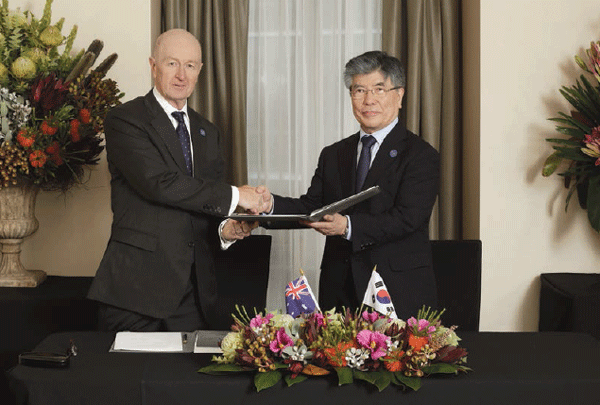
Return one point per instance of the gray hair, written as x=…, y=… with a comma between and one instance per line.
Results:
x=373, y=61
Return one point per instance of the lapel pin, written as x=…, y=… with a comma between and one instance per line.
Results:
x=393, y=153
x=202, y=132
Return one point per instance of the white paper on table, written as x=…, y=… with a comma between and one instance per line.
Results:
x=148, y=341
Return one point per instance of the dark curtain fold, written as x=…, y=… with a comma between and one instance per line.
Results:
x=221, y=26
x=426, y=36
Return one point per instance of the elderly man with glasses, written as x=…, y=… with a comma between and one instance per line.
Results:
x=391, y=229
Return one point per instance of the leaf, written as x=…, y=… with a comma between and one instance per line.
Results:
x=411, y=382
x=441, y=368
x=220, y=369
x=380, y=379
x=551, y=164
x=593, y=202
x=311, y=369
x=266, y=380
x=344, y=375
x=291, y=381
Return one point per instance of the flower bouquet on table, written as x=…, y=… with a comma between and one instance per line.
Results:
x=52, y=107
x=579, y=152
x=361, y=345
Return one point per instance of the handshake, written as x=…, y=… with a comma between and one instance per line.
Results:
x=255, y=200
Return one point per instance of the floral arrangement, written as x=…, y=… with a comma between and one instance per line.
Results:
x=355, y=346
x=581, y=149
x=52, y=107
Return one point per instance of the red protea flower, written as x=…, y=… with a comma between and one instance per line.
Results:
x=53, y=149
x=84, y=115
x=37, y=158
x=48, y=93
x=56, y=159
x=75, y=136
x=25, y=138
x=47, y=129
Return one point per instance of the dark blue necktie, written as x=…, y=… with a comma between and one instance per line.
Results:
x=364, y=162
x=184, y=139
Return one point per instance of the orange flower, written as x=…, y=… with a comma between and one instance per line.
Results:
x=84, y=115
x=417, y=342
x=75, y=136
x=37, y=158
x=336, y=356
x=393, y=363
x=47, y=129
x=25, y=138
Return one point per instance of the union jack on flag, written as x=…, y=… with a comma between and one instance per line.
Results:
x=299, y=298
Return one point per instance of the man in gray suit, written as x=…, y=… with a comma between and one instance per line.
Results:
x=168, y=199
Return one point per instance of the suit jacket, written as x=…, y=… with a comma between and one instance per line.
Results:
x=163, y=219
x=391, y=229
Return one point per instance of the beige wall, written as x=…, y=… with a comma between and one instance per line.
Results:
x=527, y=49
x=74, y=228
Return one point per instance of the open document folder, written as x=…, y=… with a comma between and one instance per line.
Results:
x=314, y=216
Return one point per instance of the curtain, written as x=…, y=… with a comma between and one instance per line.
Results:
x=221, y=26
x=425, y=36
x=297, y=104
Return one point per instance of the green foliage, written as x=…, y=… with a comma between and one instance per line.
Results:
x=580, y=151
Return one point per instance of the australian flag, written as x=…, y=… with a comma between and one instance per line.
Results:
x=299, y=298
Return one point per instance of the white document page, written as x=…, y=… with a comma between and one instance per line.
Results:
x=148, y=341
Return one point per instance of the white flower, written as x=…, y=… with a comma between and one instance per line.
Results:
x=231, y=341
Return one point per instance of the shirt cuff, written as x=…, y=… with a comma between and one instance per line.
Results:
x=349, y=234
x=235, y=199
x=224, y=243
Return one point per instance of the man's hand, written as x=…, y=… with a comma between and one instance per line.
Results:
x=252, y=201
x=267, y=197
x=330, y=225
x=236, y=230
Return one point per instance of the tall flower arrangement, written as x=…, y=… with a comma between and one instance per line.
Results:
x=580, y=150
x=52, y=103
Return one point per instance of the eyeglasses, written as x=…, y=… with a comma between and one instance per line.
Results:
x=359, y=93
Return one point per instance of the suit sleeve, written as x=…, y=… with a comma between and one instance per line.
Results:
x=143, y=162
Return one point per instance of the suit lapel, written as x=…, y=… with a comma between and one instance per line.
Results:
x=163, y=126
x=389, y=152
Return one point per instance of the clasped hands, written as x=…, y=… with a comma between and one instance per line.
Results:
x=256, y=200
x=253, y=200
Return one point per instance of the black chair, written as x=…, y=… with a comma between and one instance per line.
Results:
x=242, y=278
x=457, y=268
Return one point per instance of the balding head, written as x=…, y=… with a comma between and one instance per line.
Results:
x=175, y=37
x=176, y=62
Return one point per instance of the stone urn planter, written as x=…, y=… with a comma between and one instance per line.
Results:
x=17, y=221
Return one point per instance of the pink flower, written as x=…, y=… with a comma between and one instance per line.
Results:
x=420, y=326
x=258, y=321
x=376, y=342
x=319, y=318
x=282, y=340
x=370, y=316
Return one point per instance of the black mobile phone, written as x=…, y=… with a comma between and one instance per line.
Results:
x=43, y=359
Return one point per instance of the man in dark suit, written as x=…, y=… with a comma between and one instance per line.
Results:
x=389, y=230
x=168, y=199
